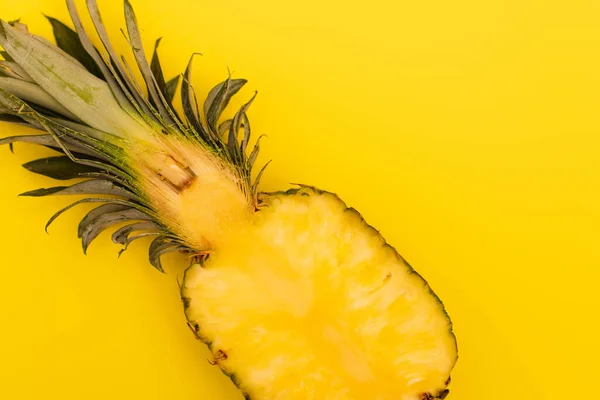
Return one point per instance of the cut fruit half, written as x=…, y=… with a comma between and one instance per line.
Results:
x=309, y=302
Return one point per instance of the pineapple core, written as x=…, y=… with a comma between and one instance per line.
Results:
x=200, y=197
x=308, y=302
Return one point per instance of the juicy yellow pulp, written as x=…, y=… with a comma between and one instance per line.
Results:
x=198, y=195
x=308, y=302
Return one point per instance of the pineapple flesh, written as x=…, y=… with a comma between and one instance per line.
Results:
x=325, y=309
x=295, y=294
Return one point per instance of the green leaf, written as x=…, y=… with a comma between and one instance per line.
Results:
x=172, y=88
x=68, y=40
x=232, y=142
x=91, y=187
x=32, y=93
x=157, y=71
x=12, y=70
x=133, y=238
x=73, y=87
x=246, y=139
x=13, y=119
x=218, y=99
x=254, y=153
x=85, y=142
x=61, y=168
x=43, y=192
x=91, y=216
x=5, y=55
x=259, y=176
x=161, y=246
x=95, y=227
x=158, y=100
x=117, y=87
x=42, y=140
x=190, y=102
x=94, y=200
x=64, y=134
x=224, y=127
x=121, y=236
x=120, y=73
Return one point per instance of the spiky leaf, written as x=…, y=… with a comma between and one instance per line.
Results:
x=83, y=94
x=32, y=93
x=121, y=236
x=91, y=187
x=161, y=246
x=61, y=168
x=95, y=226
x=13, y=70
x=172, y=88
x=236, y=124
x=190, y=103
x=124, y=98
x=218, y=99
x=68, y=40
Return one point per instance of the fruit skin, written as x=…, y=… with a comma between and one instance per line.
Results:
x=265, y=200
x=97, y=135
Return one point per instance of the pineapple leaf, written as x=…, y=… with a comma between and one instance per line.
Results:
x=12, y=70
x=65, y=134
x=224, y=127
x=154, y=92
x=190, y=103
x=161, y=246
x=218, y=99
x=259, y=176
x=31, y=92
x=83, y=94
x=116, y=86
x=43, y=192
x=6, y=56
x=157, y=71
x=96, y=226
x=83, y=144
x=45, y=140
x=96, y=200
x=246, y=139
x=133, y=238
x=92, y=186
x=61, y=168
x=254, y=154
x=232, y=142
x=42, y=140
x=121, y=236
x=172, y=88
x=68, y=40
x=13, y=120
x=96, y=18
x=91, y=216
x=114, y=64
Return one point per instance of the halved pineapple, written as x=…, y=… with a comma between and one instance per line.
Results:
x=296, y=295
x=309, y=302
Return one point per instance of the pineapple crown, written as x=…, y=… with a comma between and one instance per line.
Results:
x=89, y=106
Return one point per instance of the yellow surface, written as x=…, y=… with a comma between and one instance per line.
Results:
x=467, y=131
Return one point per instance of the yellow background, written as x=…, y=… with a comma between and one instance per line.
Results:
x=467, y=131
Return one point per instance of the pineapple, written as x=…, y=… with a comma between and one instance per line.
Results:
x=294, y=293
